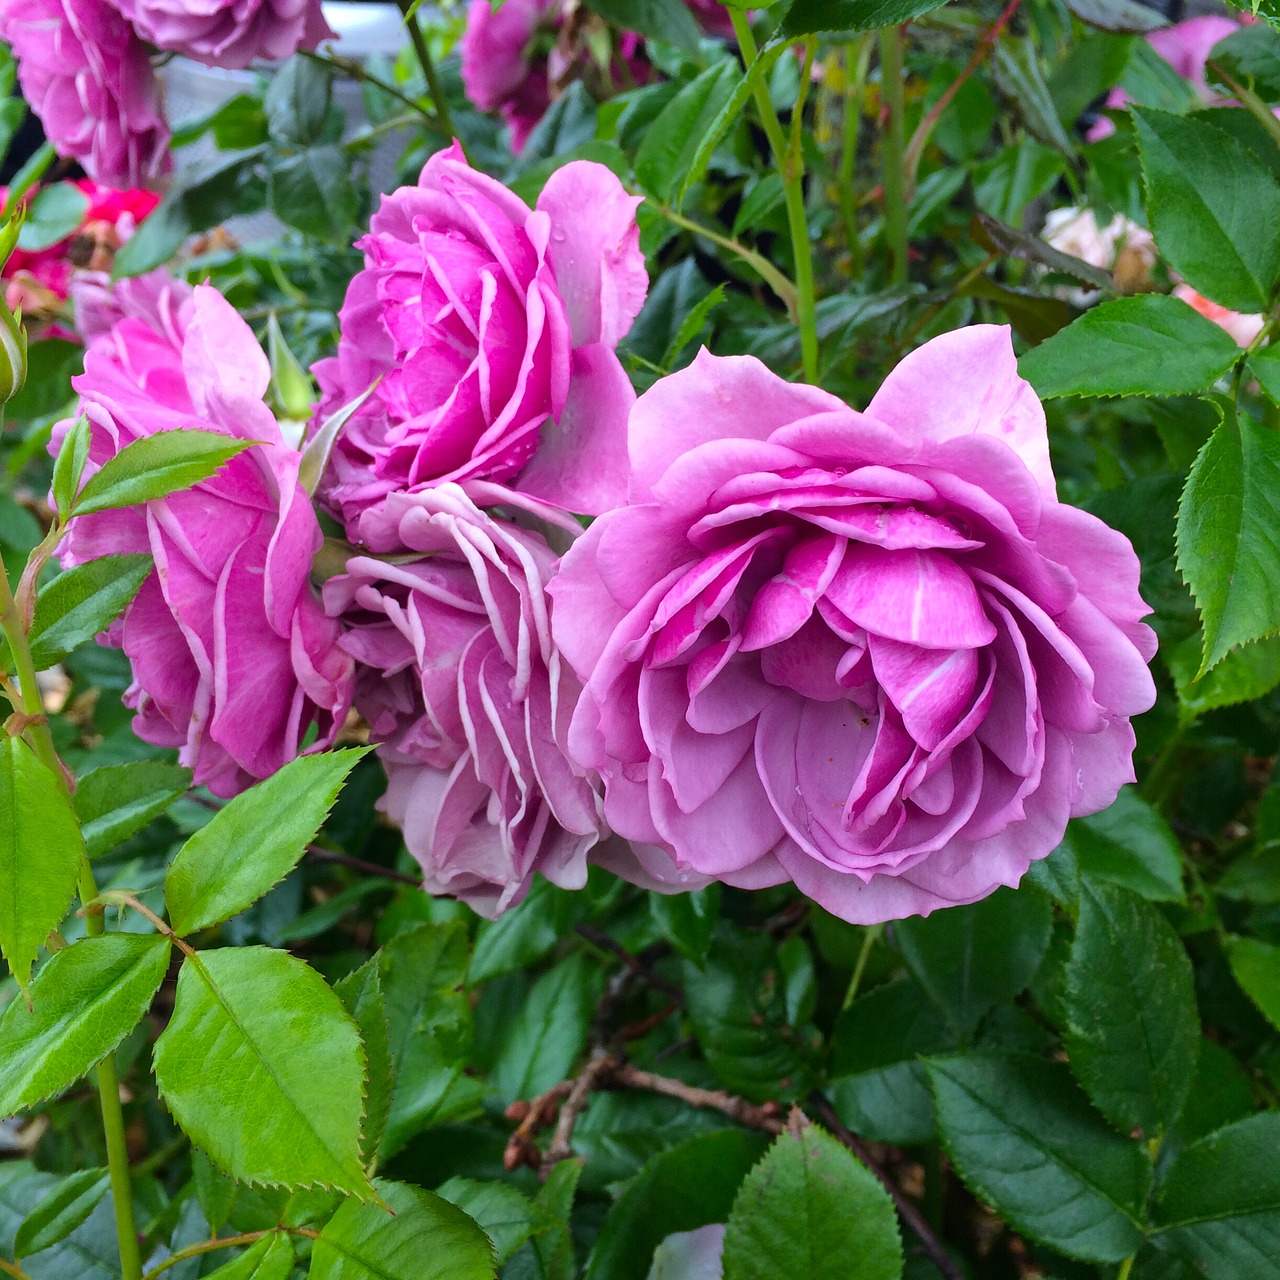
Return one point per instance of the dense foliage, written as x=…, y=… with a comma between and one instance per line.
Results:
x=238, y=1039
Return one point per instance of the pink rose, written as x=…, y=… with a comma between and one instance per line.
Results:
x=229, y=33
x=467, y=697
x=1185, y=47
x=1242, y=326
x=499, y=69
x=492, y=327
x=234, y=661
x=86, y=74
x=870, y=653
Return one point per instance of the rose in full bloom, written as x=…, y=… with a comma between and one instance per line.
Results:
x=1243, y=326
x=86, y=74
x=467, y=697
x=234, y=661
x=870, y=653
x=229, y=33
x=1185, y=47
x=492, y=327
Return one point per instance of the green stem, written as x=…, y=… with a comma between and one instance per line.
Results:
x=356, y=72
x=1251, y=101
x=868, y=941
x=857, y=58
x=781, y=286
x=108, y=1082
x=205, y=1246
x=12, y=1269
x=434, y=87
x=893, y=145
x=789, y=158
x=1126, y=1267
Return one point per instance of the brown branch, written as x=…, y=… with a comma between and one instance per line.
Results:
x=766, y=1116
x=599, y=938
x=575, y=1104
x=907, y=1211
x=534, y=1115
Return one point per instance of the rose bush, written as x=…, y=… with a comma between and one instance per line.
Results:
x=491, y=327
x=234, y=661
x=467, y=696
x=867, y=652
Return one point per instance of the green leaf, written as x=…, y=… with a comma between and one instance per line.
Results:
x=312, y=191
x=506, y=1217
x=55, y=213
x=1024, y=1138
x=1265, y=366
x=1133, y=1028
x=40, y=853
x=297, y=101
x=68, y=466
x=878, y=1084
x=253, y=841
x=665, y=20
x=690, y=1186
x=1117, y=15
x=262, y=1067
x=156, y=466
x=1020, y=79
x=199, y=197
x=551, y=1030
x=1151, y=345
x=1229, y=537
x=519, y=938
x=999, y=237
x=737, y=1003
x=81, y=602
x=85, y=1000
x=1243, y=675
x=116, y=801
x=813, y=17
x=1131, y=845
x=1251, y=58
x=1206, y=199
x=361, y=994
x=687, y=920
x=666, y=155
x=62, y=1211
x=422, y=974
x=806, y=1210
x=424, y=1238
x=270, y=1258
x=1219, y=1203
x=970, y=959
x=51, y=364
x=1256, y=967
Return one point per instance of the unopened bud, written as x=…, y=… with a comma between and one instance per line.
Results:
x=13, y=354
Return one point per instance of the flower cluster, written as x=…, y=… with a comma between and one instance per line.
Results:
x=85, y=69
x=867, y=652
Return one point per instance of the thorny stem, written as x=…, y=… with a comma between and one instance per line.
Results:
x=920, y=139
x=869, y=938
x=434, y=87
x=789, y=158
x=894, y=172
x=212, y=1246
x=784, y=290
x=15, y=630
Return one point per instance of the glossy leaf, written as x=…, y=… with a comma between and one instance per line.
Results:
x=361, y=994
x=505, y=1216
x=116, y=801
x=687, y=920
x=155, y=466
x=1206, y=198
x=1025, y=1139
x=297, y=101
x=312, y=191
x=85, y=1000
x=1219, y=1204
x=1243, y=675
x=970, y=959
x=1131, y=845
x=1133, y=1028
x=690, y=1186
x=1229, y=537
x=806, y=1210
x=40, y=853
x=1151, y=345
x=263, y=1068
x=68, y=466
x=253, y=841
x=56, y=213
x=426, y=1239
x=82, y=601
x=667, y=20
